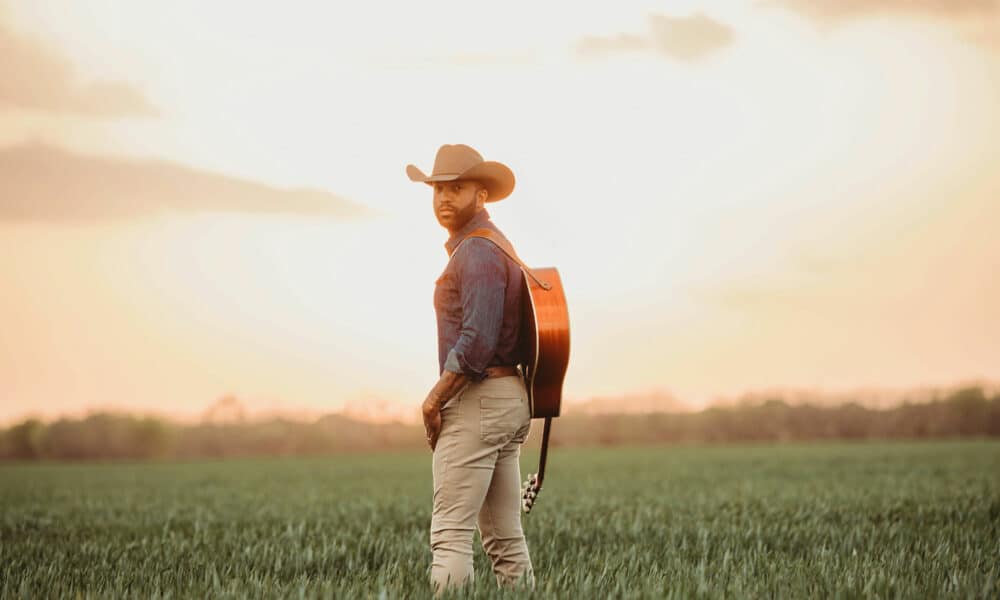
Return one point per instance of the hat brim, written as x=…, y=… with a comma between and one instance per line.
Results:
x=496, y=177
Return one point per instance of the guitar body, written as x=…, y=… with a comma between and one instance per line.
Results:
x=545, y=338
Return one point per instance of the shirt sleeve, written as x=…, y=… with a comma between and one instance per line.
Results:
x=482, y=275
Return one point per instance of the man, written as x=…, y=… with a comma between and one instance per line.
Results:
x=477, y=415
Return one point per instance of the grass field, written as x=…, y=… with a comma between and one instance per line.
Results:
x=843, y=520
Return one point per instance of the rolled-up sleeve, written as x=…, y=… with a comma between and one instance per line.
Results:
x=482, y=275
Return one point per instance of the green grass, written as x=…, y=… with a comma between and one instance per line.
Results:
x=886, y=520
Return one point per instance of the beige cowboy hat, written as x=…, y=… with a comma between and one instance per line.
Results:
x=458, y=161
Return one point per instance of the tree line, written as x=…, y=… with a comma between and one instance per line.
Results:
x=967, y=412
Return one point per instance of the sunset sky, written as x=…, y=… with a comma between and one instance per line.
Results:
x=200, y=199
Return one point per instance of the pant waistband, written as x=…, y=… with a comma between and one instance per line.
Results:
x=492, y=372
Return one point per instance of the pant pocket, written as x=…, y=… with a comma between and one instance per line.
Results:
x=499, y=418
x=523, y=431
x=442, y=488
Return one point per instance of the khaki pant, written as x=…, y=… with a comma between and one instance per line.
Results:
x=477, y=481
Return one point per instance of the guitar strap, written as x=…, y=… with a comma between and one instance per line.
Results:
x=500, y=242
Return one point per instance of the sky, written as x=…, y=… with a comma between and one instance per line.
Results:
x=209, y=199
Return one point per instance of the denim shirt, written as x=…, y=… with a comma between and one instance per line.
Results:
x=478, y=304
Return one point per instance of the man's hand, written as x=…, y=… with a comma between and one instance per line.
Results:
x=432, y=422
x=447, y=386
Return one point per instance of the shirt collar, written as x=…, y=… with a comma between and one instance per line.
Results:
x=479, y=220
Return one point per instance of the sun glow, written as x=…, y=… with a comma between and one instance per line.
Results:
x=798, y=206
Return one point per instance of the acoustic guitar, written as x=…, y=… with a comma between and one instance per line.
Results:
x=545, y=338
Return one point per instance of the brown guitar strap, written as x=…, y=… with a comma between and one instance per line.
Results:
x=504, y=245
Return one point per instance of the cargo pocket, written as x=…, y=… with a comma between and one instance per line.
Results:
x=499, y=418
x=442, y=487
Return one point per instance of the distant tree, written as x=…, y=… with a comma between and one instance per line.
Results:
x=227, y=409
x=152, y=438
x=23, y=441
x=970, y=411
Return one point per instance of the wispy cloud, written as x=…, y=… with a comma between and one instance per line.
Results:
x=42, y=183
x=680, y=38
x=34, y=76
x=976, y=21
x=834, y=10
x=598, y=45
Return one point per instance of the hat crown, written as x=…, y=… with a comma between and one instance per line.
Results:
x=454, y=159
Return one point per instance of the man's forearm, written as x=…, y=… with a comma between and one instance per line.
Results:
x=449, y=384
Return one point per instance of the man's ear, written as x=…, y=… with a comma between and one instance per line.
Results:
x=482, y=194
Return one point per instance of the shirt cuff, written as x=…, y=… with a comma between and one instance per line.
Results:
x=451, y=363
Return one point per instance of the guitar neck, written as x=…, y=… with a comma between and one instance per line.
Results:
x=545, y=450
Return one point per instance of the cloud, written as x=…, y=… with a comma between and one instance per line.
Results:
x=689, y=38
x=839, y=10
x=681, y=38
x=36, y=77
x=976, y=21
x=603, y=45
x=43, y=183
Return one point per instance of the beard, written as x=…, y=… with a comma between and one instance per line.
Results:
x=458, y=217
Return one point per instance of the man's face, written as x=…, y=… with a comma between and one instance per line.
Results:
x=456, y=202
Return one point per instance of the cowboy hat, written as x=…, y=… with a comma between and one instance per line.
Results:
x=458, y=161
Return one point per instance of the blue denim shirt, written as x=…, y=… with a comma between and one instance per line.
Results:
x=478, y=304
